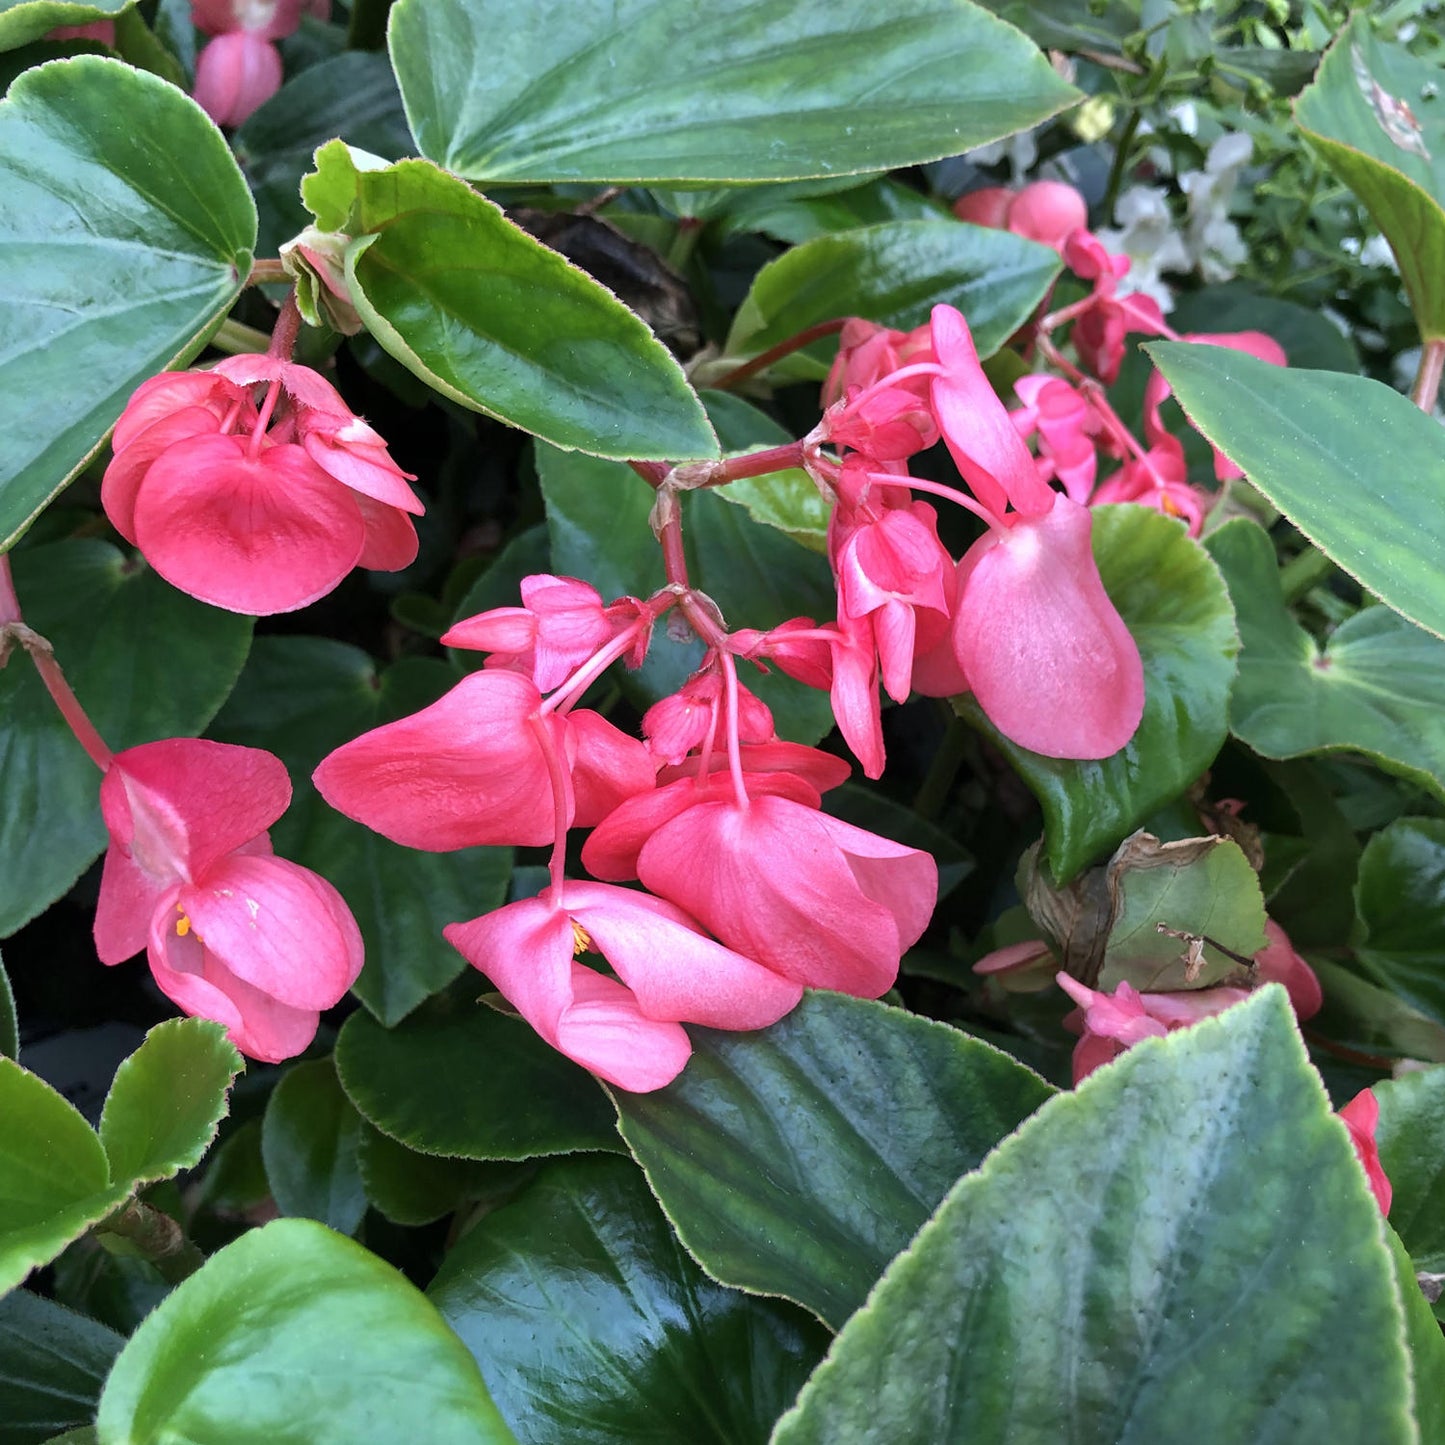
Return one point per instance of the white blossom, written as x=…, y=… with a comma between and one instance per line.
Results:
x=1147, y=236
x=1215, y=246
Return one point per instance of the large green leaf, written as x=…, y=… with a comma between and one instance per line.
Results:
x=146, y=661
x=1352, y=464
x=591, y=1323
x=665, y=92
x=121, y=248
x=54, y=1179
x=895, y=274
x=459, y=1078
x=1411, y=1138
x=294, y=1334
x=1374, y=114
x=491, y=318
x=25, y=20
x=1309, y=338
x=9, y=1024
x=1185, y=1247
x=1175, y=604
x=301, y=697
x=1377, y=686
x=1400, y=897
x=412, y=1188
x=797, y=1161
x=167, y=1100
x=309, y=1141
x=52, y=1365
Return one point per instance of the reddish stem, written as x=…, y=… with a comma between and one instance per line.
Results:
x=265, y=272
x=1427, y=379
x=765, y=359
x=286, y=330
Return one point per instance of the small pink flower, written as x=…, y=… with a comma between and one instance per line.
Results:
x=625, y=1030
x=1361, y=1116
x=1098, y=334
x=1045, y=211
x=1277, y=962
x=690, y=717
x=236, y=73
x=868, y=352
x=232, y=932
x=1066, y=425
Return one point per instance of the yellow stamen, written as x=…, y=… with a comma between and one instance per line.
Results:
x=183, y=923
x=581, y=939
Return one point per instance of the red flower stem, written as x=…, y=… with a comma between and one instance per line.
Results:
x=735, y=758
x=265, y=272
x=674, y=558
x=653, y=473
x=1427, y=379
x=561, y=801
x=765, y=359
x=287, y=328
x=13, y=628
x=567, y=695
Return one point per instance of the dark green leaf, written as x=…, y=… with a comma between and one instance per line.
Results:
x=1377, y=686
x=1376, y=115
x=9, y=1024
x=52, y=1365
x=23, y=20
x=459, y=1078
x=592, y=1324
x=294, y=1333
x=1309, y=339
x=660, y=91
x=491, y=318
x=1186, y=1238
x=799, y=1160
x=895, y=274
x=1352, y=464
x=123, y=247
x=309, y=1141
x=1400, y=898
x=56, y=1179
x=167, y=1100
x=1175, y=604
x=1411, y=1139
x=780, y=212
x=146, y=661
x=411, y=1188
x=866, y=807
x=1371, y=1020
x=1423, y=1340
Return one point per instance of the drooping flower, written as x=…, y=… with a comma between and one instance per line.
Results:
x=240, y=69
x=1066, y=425
x=257, y=510
x=1045, y=211
x=626, y=1030
x=232, y=932
x=1098, y=333
x=1361, y=1116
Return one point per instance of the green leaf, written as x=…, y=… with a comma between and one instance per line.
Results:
x=1309, y=339
x=167, y=1100
x=301, y=697
x=1411, y=1139
x=26, y=20
x=798, y=1160
x=52, y=1365
x=54, y=1179
x=413, y=1189
x=1373, y=1020
x=896, y=274
x=309, y=1140
x=866, y=807
x=1377, y=686
x=9, y=1024
x=1425, y=1343
x=1375, y=115
x=493, y=319
x=1190, y=1215
x=593, y=1325
x=146, y=662
x=1177, y=608
x=662, y=92
x=1355, y=466
x=459, y=1078
x=295, y=1333
x=1400, y=898
x=123, y=247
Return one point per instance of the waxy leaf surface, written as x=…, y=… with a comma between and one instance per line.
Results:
x=53, y=1362
x=1411, y=1138
x=309, y=1141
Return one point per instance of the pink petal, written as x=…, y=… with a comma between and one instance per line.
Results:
x=1361, y=1116
x=610, y=766
x=502, y=629
x=986, y=207
x=1045, y=651
x=349, y=450
x=172, y=391
x=1278, y=962
x=235, y=74
x=1048, y=212
x=128, y=468
x=813, y=771
x=904, y=880
x=258, y=535
x=467, y=770
x=391, y=542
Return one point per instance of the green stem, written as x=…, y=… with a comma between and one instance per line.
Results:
x=1121, y=162
x=936, y=786
x=1303, y=573
x=157, y=1237
x=684, y=242
x=235, y=338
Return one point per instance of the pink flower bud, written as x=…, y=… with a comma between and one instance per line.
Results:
x=236, y=74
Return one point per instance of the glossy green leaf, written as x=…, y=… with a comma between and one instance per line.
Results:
x=54, y=1179
x=1376, y=686
x=1310, y=340
x=459, y=1078
x=1375, y=114
x=895, y=274
x=1372, y=1020
x=1175, y=604
x=798, y=1160
x=25, y=20
x=1400, y=898
x=300, y=697
x=309, y=1141
x=786, y=213
x=9, y=1024
x=146, y=662
x=167, y=1100
x=662, y=92
x=1352, y=464
x=123, y=246
x=53, y=1362
x=1411, y=1138
x=591, y=1323
x=493, y=319
x=411, y=1188
x=1187, y=1237
x=294, y=1333
x=1424, y=1341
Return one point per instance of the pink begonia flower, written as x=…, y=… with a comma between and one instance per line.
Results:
x=1277, y=962
x=472, y=769
x=868, y=352
x=686, y=719
x=255, y=510
x=1158, y=480
x=232, y=932
x=1066, y=425
x=240, y=69
x=1098, y=334
x=1045, y=211
x=629, y=1032
x=1361, y=1116
x=1035, y=635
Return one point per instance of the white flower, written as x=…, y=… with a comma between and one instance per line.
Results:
x=1146, y=235
x=1213, y=240
x=1376, y=252
x=1022, y=150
